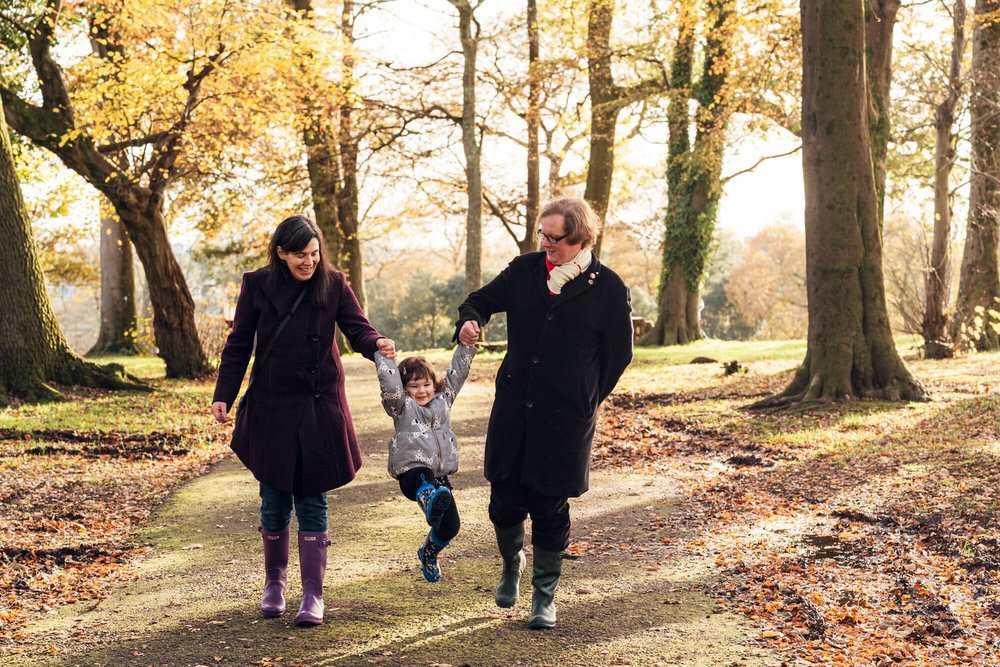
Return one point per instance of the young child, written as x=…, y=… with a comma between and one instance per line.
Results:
x=424, y=451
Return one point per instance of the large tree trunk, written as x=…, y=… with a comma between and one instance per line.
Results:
x=850, y=349
x=935, y=323
x=320, y=137
x=693, y=176
x=468, y=28
x=331, y=160
x=677, y=319
x=324, y=183
x=118, y=321
x=880, y=19
x=33, y=350
x=173, y=308
x=979, y=284
x=605, y=104
x=530, y=242
x=347, y=206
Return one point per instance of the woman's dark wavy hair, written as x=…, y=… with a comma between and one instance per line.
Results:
x=293, y=234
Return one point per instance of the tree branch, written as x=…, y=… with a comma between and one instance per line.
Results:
x=156, y=137
x=756, y=164
x=168, y=149
x=500, y=215
x=55, y=97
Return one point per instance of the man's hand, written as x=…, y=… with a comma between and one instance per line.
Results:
x=219, y=412
x=469, y=333
x=387, y=347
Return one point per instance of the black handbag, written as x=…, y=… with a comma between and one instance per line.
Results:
x=267, y=352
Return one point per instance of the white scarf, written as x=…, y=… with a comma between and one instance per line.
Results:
x=562, y=274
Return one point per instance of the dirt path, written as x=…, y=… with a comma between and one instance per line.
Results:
x=195, y=601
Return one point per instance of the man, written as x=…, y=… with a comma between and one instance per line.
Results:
x=569, y=340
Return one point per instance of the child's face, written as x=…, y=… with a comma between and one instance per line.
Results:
x=421, y=390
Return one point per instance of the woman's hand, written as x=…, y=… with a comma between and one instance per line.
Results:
x=469, y=333
x=219, y=412
x=387, y=347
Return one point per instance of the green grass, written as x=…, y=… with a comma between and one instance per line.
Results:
x=145, y=367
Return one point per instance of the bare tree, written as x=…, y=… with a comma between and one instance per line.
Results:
x=880, y=20
x=979, y=284
x=607, y=99
x=116, y=334
x=935, y=321
x=472, y=142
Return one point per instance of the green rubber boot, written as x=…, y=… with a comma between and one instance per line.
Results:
x=510, y=541
x=545, y=570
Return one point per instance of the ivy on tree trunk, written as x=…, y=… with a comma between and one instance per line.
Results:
x=693, y=175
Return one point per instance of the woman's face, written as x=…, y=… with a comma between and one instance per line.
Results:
x=302, y=263
x=554, y=227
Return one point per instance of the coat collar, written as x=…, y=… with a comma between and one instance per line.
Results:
x=573, y=288
x=281, y=292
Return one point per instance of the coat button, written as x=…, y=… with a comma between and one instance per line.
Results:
x=530, y=404
x=317, y=395
x=312, y=371
x=549, y=316
x=535, y=360
x=314, y=339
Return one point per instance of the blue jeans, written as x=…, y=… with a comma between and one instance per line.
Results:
x=276, y=510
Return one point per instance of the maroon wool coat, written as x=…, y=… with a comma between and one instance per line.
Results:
x=295, y=432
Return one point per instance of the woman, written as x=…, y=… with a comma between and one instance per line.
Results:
x=294, y=431
x=569, y=338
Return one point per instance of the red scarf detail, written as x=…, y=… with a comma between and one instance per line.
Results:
x=548, y=270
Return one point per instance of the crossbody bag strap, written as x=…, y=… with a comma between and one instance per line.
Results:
x=274, y=339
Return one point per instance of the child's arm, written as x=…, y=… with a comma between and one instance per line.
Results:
x=458, y=372
x=393, y=396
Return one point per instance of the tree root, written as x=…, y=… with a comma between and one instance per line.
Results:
x=796, y=398
x=69, y=369
x=73, y=370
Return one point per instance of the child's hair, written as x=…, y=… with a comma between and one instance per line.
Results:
x=418, y=368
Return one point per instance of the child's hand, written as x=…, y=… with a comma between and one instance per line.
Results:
x=387, y=347
x=469, y=333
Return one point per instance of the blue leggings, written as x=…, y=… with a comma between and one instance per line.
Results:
x=276, y=510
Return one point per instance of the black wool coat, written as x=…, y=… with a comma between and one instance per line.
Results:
x=565, y=353
x=295, y=432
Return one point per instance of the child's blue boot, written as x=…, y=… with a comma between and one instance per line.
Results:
x=433, y=501
x=428, y=557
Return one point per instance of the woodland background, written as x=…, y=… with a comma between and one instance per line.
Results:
x=376, y=118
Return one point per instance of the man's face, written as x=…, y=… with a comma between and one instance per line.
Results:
x=561, y=251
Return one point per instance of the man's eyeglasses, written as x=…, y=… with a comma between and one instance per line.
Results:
x=551, y=239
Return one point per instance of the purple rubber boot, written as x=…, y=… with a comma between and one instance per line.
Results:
x=312, y=563
x=275, y=569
